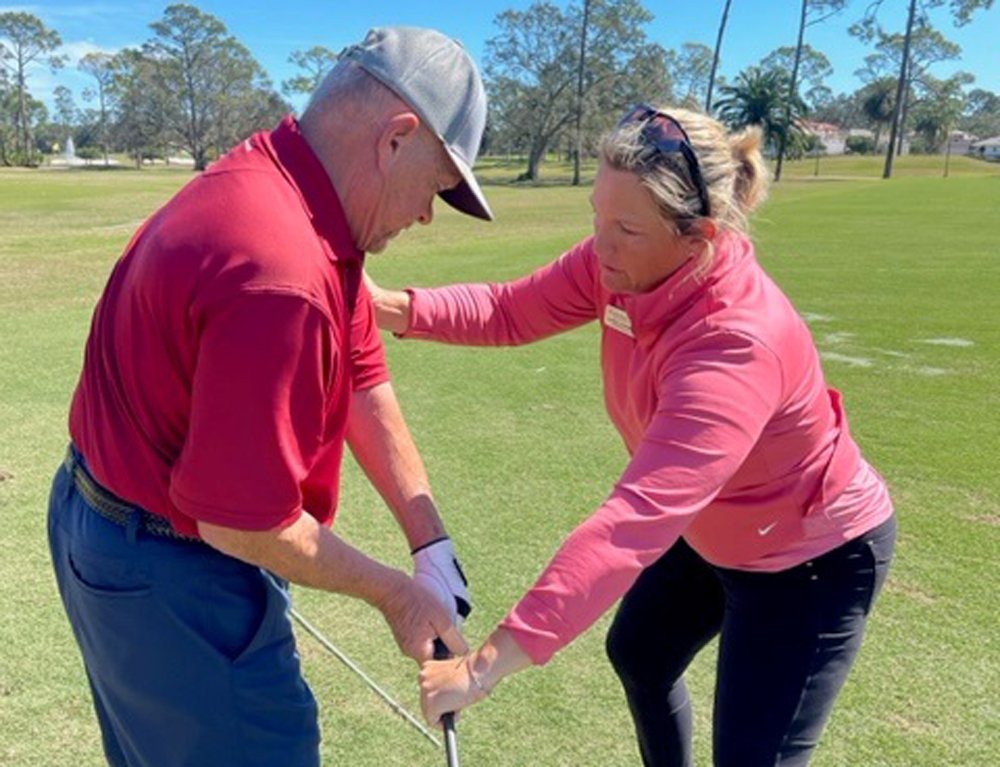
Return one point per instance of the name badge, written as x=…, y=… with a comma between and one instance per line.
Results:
x=618, y=319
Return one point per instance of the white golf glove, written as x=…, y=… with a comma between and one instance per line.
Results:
x=435, y=567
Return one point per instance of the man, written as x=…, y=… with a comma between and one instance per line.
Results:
x=232, y=354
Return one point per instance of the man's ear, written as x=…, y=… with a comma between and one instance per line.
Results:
x=401, y=129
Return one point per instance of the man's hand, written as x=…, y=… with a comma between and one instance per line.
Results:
x=417, y=618
x=436, y=568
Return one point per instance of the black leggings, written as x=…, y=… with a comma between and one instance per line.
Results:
x=788, y=640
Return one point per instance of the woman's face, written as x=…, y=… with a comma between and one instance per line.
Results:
x=636, y=247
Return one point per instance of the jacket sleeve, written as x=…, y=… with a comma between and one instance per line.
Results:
x=713, y=404
x=555, y=298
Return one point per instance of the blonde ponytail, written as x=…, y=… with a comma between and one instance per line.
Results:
x=752, y=176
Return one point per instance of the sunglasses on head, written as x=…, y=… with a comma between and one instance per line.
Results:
x=664, y=134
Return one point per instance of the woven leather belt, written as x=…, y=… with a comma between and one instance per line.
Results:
x=113, y=508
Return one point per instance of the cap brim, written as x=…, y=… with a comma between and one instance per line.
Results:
x=467, y=197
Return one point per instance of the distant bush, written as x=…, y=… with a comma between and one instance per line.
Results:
x=860, y=145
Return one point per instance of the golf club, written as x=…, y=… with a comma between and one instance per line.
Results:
x=397, y=707
x=447, y=720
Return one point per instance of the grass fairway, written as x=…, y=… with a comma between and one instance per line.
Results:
x=899, y=281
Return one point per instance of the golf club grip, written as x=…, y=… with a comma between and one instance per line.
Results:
x=441, y=652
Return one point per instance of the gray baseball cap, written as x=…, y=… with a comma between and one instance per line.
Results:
x=435, y=76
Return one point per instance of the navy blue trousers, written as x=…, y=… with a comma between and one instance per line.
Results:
x=189, y=653
x=787, y=641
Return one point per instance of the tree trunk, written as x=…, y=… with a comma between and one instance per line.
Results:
x=715, y=58
x=900, y=90
x=902, y=118
x=24, y=133
x=535, y=155
x=579, y=95
x=783, y=143
x=947, y=151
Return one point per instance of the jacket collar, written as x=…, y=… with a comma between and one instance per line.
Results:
x=649, y=313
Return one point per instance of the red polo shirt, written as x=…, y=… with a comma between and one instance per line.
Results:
x=223, y=353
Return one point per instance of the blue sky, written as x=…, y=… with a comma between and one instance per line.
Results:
x=271, y=30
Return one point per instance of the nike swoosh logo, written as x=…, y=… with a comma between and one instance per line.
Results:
x=762, y=531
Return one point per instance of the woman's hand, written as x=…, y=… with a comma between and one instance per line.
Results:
x=449, y=686
x=392, y=307
x=457, y=683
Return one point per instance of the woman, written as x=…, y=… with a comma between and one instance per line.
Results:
x=745, y=511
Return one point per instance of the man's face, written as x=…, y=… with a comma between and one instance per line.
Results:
x=415, y=172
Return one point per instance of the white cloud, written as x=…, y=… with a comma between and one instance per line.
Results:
x=77, y=50
x=42, y=81
x=52, y=14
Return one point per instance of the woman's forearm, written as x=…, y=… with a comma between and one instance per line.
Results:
x=499, y=657
x=392, y=307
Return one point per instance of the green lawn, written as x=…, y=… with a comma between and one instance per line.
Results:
x=899, y=281
x=556, y=170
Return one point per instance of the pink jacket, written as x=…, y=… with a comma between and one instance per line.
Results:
x=715, y=385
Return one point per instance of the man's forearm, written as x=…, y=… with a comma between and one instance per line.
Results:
x=382, y=445
x=309, y=554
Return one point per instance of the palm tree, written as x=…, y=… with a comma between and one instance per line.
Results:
x=878, y=104
x=715, y=57
x=762, y=98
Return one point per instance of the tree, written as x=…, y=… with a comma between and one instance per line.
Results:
x=99, y=66
x=715, y=56
x=207, y=75
x=877, y=101
x=961, y=11
x=840, y=109
x=24, y=40
x=816, y=64
x=185, y=48
x=927, y=46
x=140, y=125
x=532, y=72
x=8, y=107
x=762, y=98
x=581, y=69
x=689, y=72
x=813, y=68
x=938, y=110
x=315, y=62
x=65, y=112
x=981, y=115
x=244, y=100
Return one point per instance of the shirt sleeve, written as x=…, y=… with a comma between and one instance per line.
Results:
x=555, y=298
x=368, y=363
x=714, y=402
x=258, y=405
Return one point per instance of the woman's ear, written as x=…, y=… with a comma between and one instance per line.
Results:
x=702, y=229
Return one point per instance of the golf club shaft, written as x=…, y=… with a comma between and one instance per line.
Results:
x=450, y=740
x=397, y=707
x=447, y=720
